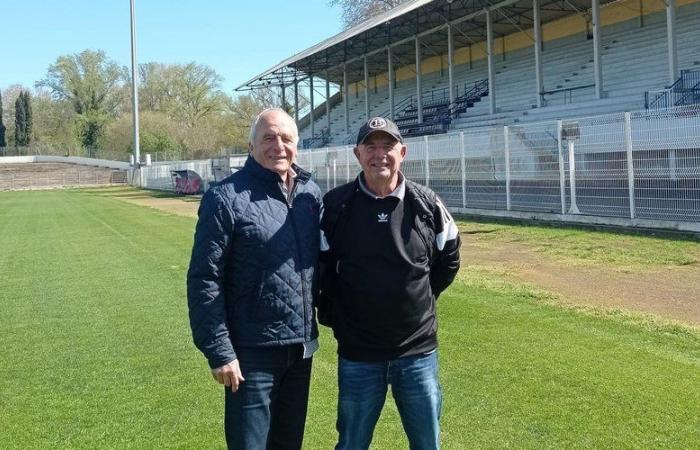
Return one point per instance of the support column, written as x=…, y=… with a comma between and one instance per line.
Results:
x=284, y=97
x=328, y=103
x=419, y=88
x=311, y=100
x=672, y=42
x=597, y=63
x=296, y=101
x=366, y=90
x=346, y=98
x=390, y=65
x=492, y=69
x=450, y=62
x=539, y=82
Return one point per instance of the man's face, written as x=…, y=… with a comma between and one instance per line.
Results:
x=380, y=156
x=275, y=143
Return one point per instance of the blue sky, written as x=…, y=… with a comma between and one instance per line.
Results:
x=238, y=39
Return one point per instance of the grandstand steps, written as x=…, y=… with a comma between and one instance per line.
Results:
x=23, y=176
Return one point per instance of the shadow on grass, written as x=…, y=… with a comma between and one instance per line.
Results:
x=134, y=193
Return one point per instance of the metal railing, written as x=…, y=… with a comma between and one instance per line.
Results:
x=684, y=91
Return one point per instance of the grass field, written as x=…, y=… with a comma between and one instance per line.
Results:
x=96, y=350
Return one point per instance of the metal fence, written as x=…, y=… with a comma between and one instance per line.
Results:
x=635, y=166
x=640, y=165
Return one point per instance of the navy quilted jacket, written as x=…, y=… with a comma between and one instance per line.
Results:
x=251, y=276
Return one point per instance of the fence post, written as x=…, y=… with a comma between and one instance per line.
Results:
x=507, y=165
x=572, y=178
x=562, y=177
x=347, y=163
x=462, y=166
x=630, y=162
x=427, y=162
x=334, y=171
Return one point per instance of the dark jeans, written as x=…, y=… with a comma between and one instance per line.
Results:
x=269, y=409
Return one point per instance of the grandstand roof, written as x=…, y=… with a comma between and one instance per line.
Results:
x=400, y=25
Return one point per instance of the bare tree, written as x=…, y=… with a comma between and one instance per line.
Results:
x=357, y=11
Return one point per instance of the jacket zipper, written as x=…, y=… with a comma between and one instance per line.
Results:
x=290, y=202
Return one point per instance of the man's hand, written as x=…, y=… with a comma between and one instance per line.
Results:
x=230, y=375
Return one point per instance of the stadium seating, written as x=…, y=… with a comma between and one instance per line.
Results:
x=567, y=74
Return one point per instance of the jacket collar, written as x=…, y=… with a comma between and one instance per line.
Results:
x=259, y=171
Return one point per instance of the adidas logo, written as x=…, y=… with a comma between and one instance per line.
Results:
x=382, y=217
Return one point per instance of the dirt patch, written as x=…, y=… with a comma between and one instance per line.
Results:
x=671, y=292
x=182, y=206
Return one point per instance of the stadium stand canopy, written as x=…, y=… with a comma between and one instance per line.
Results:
x=441, y=65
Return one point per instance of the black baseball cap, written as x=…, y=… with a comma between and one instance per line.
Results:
x=378, y=124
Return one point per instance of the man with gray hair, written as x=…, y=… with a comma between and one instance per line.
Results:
x=250, y=285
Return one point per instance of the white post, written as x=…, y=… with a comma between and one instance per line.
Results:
x=311, y=101
x=366, y=89
x=390, y=71
x=427, y=162
x=134, y=87
x=492, y=68
x=328, y=102
x=450, y=63
x=597, y=63
x=572, y=179
x=463, y=168
x=296, y=101
x=346, y=98
x=630, y=165
x=539, y=83
x=419, y=87
x=507, y=165
x=672, y=42
x=562, y=177
x=334, y=172
x=347, y=163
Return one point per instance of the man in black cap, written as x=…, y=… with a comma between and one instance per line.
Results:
x=389, y=248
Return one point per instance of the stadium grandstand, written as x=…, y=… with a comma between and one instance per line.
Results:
x=563, y=109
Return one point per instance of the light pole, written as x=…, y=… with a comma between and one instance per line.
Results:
x=134, y=89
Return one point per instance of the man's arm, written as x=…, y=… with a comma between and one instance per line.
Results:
x=446, y=263
x=326, y=269
x=205, y=295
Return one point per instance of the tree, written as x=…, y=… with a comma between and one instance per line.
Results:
x=93, y=84
x=20, y=122
x=357, y=11
x=3, y=142
x=28, y=118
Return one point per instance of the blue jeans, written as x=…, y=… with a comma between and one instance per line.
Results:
x=269, y=409
x=362, y=392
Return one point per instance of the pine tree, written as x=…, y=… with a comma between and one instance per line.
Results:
x=20, y=121
x=3, y=142
x=28, y=119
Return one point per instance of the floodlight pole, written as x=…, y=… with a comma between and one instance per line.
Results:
x=134, y=89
